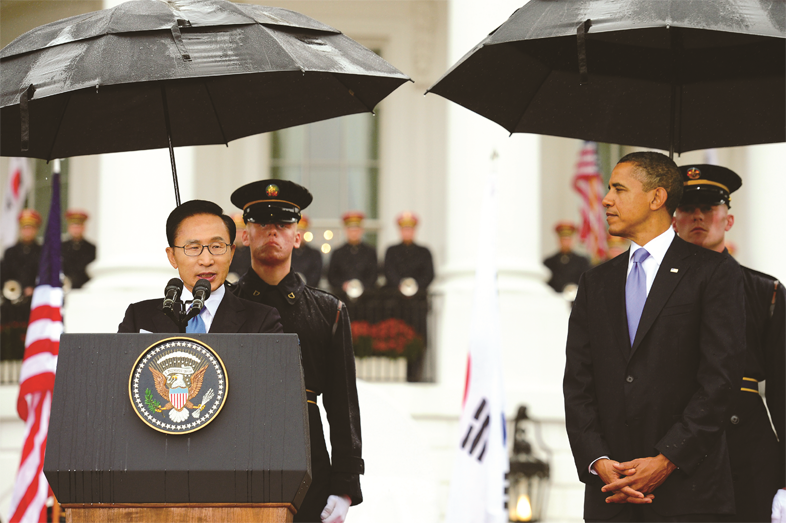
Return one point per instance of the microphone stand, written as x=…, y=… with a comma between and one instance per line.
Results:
x=180, y=319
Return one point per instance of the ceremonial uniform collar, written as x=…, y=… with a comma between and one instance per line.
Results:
x=291, y=287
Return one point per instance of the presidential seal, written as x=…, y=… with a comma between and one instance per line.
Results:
x=178, y=385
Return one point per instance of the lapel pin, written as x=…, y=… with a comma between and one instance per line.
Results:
x=674, y=270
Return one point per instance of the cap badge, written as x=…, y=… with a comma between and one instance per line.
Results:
x=178, y=385
x=272, y=190
x=694, y=173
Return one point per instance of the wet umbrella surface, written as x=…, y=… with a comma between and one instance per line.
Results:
x=652, y=73
x=200, y=72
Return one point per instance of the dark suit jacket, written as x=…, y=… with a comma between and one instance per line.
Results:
x=670, y=392
x=234, y=315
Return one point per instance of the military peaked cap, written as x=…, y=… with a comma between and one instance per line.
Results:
x=271, y=201
x=708, y=184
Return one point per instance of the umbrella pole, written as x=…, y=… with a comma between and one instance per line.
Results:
x=174, y=167
x=171, y=149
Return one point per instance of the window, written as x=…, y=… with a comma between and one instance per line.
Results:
x=338, y=161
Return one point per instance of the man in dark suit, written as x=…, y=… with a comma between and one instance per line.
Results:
x=355, y=260
x=654, y=352
x=201, y=241
x=703, y=218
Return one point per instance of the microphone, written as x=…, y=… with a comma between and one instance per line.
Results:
x=201, y=294
x=172, y=293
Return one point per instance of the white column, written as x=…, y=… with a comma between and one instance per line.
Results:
x=534, y=319
x=766, y=250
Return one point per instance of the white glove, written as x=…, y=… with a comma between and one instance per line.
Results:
x=779, y=507
x=336, y=509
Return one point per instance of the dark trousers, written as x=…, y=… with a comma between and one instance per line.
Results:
x=755, y=464
x=318, y=492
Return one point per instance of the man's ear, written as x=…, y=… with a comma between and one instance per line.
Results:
x=170, y=253
x=674, y=224
x=298, y=239
x=729, y=222
x=244, y=237
x=659, y=198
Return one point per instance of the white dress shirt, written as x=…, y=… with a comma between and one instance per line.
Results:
x=657, y=248
x=211, y=305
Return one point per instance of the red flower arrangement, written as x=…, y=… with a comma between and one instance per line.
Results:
x=392, y=338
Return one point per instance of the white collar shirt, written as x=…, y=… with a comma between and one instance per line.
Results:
x=657, y=248
x=211, y=305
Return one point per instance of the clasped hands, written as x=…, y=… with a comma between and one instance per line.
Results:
x=633, y=481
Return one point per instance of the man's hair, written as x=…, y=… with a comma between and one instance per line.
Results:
x=655, y=170
x=192, y=208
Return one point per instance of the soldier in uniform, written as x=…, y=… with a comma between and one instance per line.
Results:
x=616, y=245
x=566, y=266
x=408, y=259
x=242, y=259
x=77, y=252
x=18, y=273
x=355, y=260
x=20, y=261
x=271, y=209
x=306, y=260
x=703, y=218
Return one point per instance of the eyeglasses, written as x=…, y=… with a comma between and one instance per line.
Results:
x=195, y=249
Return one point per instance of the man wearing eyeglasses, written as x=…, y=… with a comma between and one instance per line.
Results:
x=201, y=244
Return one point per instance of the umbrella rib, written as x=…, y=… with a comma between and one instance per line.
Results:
x=59, y=123
x=352, y=93
x=524, y=110
x=215, y=112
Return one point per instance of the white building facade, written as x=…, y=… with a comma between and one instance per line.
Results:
x=433, y=159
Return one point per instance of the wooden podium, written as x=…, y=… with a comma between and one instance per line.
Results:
x=251, y=462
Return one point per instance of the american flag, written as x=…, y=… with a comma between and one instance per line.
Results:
x=589, y=184
x=37, y=378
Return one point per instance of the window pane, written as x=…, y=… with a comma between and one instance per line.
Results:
x=289, y=144
x=357, y=140
x=325, y=185
x=293, y=173
x=325, y=141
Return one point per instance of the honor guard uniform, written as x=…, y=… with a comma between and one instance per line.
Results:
x=566, y=266
x=20, y=261
x=306, y=260
x=757, y=458
x=408, y=259
x=355, y=260
x=77, y=252
x=271, y=208
x=241, y=261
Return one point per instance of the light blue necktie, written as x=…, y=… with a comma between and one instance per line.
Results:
x=196, y=324
x=636, y=293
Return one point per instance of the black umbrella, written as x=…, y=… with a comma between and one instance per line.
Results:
x=148, y=74
x=667, y=74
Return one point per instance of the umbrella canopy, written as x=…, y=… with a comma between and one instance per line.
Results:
x=653, y=73
x=194, y=72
